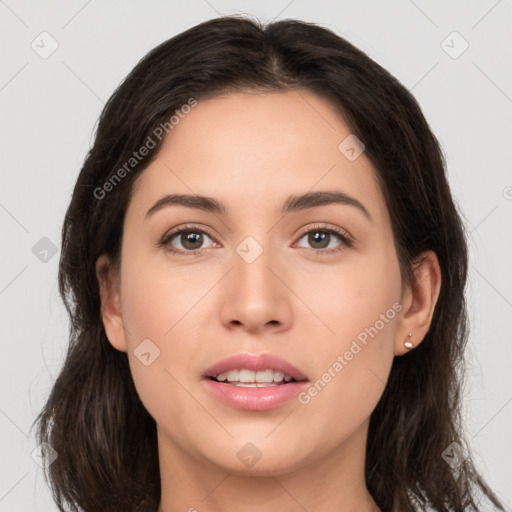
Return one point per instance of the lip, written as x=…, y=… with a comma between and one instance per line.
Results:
x=256, y=399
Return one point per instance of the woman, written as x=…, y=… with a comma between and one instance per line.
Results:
x=265, y=273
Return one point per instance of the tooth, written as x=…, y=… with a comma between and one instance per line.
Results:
x=264, y=376
x=246, y=376
x=278, y=376
x=230, y=375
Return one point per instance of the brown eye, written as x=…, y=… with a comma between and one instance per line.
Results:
x=190, y=240
x=324, y=240
x=185, y=241
x=319, y=239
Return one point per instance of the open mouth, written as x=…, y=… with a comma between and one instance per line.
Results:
x=255, y=383
x=254, y=379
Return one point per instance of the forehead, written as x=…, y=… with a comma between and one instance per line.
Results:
x=250, y=150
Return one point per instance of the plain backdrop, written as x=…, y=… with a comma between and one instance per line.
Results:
x=61, y=61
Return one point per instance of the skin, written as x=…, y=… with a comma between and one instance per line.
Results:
x=251, y=151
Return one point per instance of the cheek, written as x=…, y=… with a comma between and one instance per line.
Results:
x=157, y=307
x=157, y=297
x=359, y=309
x=350, y=297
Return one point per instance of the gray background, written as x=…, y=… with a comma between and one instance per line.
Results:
x=49, y=110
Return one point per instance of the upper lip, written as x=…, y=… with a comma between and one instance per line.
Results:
x=254, y=362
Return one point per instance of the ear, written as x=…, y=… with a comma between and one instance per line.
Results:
x=419, y=300
x=109, y=281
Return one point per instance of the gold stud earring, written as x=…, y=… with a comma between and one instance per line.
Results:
x=408, y=344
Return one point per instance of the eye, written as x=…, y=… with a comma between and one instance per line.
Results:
x=188, y=240
x=322, y=239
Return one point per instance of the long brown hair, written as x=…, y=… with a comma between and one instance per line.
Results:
x=105, y=439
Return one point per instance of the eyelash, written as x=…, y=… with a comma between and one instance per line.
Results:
x=342, y=235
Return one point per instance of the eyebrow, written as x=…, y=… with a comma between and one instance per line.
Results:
x=293, y=203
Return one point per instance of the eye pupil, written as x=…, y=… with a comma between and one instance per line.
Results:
x=313, y=238
x=192, y=237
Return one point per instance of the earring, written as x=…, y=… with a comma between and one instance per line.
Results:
x=408, y=344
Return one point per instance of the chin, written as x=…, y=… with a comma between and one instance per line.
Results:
x=247, y=458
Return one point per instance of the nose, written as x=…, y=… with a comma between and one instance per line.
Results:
x=255, y=297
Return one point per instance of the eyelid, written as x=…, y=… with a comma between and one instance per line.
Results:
x=188, y=227
x=324, y=226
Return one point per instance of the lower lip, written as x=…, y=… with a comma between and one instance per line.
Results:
x=255, y=399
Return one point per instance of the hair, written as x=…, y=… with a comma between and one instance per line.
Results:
x=105, y=439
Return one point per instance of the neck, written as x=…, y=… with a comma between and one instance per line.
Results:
x=332, y=481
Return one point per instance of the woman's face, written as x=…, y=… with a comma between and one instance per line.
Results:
x=257, y=278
